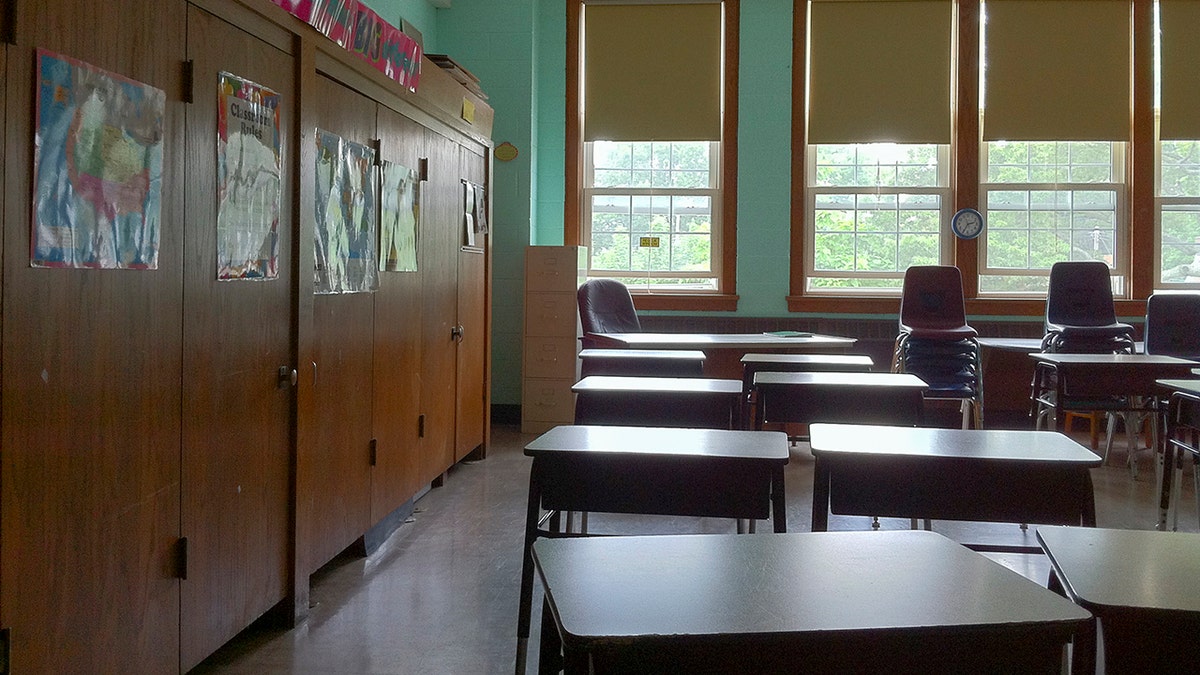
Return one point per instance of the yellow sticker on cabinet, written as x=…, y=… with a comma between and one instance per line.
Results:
x=468, y=111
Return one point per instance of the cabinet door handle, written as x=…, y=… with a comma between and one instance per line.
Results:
x=288, y=376
x=456, y=333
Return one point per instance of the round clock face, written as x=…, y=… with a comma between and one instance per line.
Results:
x=967, y=223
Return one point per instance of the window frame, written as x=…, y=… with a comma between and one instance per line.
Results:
x=812, y=190
x=1120, y=268
x=713, y=192
x=726, y=298
x=1161, y=204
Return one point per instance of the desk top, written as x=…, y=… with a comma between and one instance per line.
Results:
x=1026, y=345
x=660, y=441
x=1114, y=360
x=872, y=380
x=1186, y=386
x=854, y=361
x=1141, y=569
x=998, y=445
x=638, y=354
x=814, y=583
x=721, y=341
x=598, y=384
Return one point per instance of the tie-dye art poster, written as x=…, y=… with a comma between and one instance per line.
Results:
x=344, y=233
x=98, y=165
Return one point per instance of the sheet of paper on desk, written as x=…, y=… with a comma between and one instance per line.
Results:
x=787, y=333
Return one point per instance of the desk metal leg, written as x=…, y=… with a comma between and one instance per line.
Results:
x=526, y=601
x=1166, y=479
x=778, y=502
x=820, y=508
x=550, y=647
x=1088, y=517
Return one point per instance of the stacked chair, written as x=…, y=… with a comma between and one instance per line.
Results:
x=1080, y=315
x=1080, y=319
x=936, y=344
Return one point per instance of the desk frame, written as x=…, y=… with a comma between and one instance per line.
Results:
x=668, y=482
x=908, y=484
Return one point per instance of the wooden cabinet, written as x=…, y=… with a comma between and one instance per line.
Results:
x=550, y=361
x=178, y=454
x=91, y=370
x=237, y=443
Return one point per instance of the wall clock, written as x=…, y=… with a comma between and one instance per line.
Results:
x=967, y=223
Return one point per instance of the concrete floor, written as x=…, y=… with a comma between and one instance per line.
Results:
x=440, y=595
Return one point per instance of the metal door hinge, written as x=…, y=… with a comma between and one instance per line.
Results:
x=374, y=451
x=423, y=169
x=189, y=81
x=5, y=650
x=420, y=426
x=181, y=558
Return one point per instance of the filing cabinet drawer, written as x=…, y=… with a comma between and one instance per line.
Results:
x=552, y=268
x=551, y=314
x=550, y=357
x=548, y=400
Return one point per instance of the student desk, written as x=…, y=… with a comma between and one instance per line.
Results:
x=951, y=474
x=829, y=602
x=1096, y=381
x=658, y=401
x=1143, y=587
x=723, y=351
x=1182, y=442
x=657, y=471
x=642, y=362
x=804, y=398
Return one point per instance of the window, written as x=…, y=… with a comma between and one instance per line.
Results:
x=1177, y=189
x=656, y=147
x=877, y=158
x=652, y=214
x=1179, y=212
x=1046, y=202
x=876, y=209
x=1052, y=156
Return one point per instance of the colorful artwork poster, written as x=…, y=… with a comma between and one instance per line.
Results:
x=344, y=234
x=248, y=180
x=98, y=163
x=360, y=30
x=399, y=214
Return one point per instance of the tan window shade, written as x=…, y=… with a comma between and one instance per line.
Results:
x=652, y=72
x=1057, y=70
x=1180, y=43
x=879, y=71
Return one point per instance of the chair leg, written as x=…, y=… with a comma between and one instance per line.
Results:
x=1131, y=433
x=1108, y=438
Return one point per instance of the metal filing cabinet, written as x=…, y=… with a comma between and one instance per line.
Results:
x=550, y=363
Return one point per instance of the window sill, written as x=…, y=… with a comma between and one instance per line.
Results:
x=685, y=302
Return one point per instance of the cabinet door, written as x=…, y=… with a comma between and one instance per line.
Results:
x=89, y=474
x=338, y=475
x=441, y=236
x=396, y=475
x=471, y=367
x=237, y=337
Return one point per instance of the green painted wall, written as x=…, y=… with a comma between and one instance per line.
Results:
x=495, y=41
x=418, y=12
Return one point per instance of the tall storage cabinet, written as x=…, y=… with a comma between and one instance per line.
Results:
x=550, y=363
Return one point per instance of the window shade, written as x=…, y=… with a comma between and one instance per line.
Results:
x=1057, y=70
x=652, y=72
x=1180, y=117
x=879, y=70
